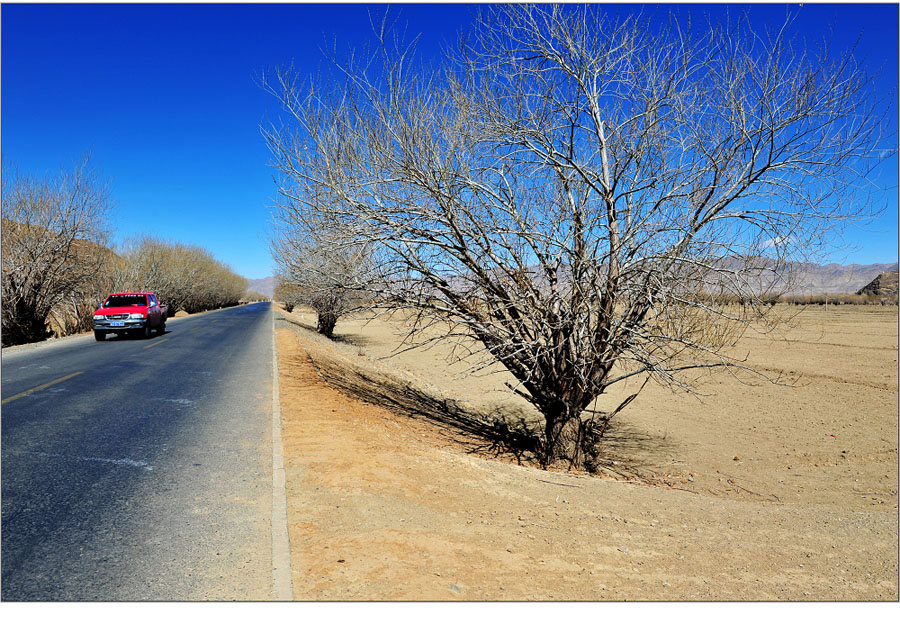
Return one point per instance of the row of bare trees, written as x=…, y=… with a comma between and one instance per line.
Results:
x=585, y=196
x=57, y=267
x=185, y=277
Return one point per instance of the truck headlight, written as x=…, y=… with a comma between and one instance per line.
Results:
x=137, y=315
x=99, y=317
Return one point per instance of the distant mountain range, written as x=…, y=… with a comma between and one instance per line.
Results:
x=264, y=286
x=811, y=279
x=814, y=279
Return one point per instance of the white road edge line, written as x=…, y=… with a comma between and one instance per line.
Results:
x=282, y=583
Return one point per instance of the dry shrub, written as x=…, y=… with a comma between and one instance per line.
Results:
x=184, y=277
x=75, y=313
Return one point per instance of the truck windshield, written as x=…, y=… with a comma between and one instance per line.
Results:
x=121, y=301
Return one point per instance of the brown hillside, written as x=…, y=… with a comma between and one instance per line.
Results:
x=265, y=286
x=885, y=285
x=14, y=230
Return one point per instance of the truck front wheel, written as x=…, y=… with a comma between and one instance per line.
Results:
x=99, y=336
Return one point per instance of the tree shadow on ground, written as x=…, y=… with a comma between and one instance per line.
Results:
x=629, y=452
x=355, y=340
x=475, y=431
x=513, y=435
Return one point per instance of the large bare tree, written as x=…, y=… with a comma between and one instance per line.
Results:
x=596, y=201
x=51, y=228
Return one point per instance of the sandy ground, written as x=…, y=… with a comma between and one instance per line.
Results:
x=751, y=492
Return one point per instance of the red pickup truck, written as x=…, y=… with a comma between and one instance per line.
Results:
x=130, y=313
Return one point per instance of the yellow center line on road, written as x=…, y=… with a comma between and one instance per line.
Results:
x=158, y=342
x=37, y=388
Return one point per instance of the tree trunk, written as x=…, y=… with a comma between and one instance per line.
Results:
x=563, y=438
x=325, y=323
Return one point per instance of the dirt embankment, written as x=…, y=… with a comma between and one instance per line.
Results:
x=757, y=493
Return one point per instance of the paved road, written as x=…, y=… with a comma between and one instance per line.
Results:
x=143, y=471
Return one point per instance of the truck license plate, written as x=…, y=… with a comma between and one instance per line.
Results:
x=117, y=324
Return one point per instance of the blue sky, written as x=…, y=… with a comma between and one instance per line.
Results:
x=165, y=99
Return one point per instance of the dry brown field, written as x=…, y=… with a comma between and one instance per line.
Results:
x=747, y=491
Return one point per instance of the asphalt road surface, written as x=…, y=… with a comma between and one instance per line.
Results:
x=141, y=469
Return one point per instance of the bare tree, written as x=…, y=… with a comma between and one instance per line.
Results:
x=595, y=201
x=48, y=227
x=319, y=266
x=287, y=293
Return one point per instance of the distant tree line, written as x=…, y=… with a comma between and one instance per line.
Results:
x=838, y=299
x=252, y=296
x=57, y=266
